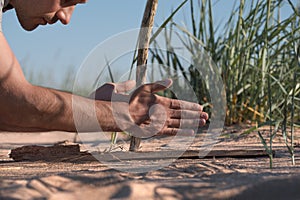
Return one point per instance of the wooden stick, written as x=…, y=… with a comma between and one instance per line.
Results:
x=144, y=40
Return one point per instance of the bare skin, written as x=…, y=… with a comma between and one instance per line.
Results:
x=25, y=107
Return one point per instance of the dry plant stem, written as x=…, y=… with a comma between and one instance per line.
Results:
x=144, y=40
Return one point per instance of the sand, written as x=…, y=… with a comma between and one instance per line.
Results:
x=211, y=178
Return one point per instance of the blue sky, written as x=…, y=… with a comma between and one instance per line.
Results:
x=53, y=49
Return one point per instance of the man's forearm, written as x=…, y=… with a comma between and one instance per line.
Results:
x=42, y=109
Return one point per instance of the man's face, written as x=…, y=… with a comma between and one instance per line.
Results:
x=32, y=13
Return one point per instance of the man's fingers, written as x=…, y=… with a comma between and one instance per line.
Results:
x=187, y=114
x=124, y=86
x=184, y=105
x=204, y=116
x=178, y=104
x=157, y=86
x=185, y=123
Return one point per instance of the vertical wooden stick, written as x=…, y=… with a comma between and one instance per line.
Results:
x=144, y=40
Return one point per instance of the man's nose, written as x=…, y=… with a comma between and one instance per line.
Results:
x=65, y=14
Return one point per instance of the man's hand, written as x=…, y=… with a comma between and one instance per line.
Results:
x=171, y=115
x=148, y=114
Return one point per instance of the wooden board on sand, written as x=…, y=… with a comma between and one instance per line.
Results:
x=72, y=152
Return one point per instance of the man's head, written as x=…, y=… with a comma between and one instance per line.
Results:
x=32, y=13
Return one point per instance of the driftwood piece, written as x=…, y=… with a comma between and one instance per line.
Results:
x=71, y=152
x=144, y=40
x=49, y=153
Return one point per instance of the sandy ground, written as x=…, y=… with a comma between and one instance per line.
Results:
x=211, y=178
